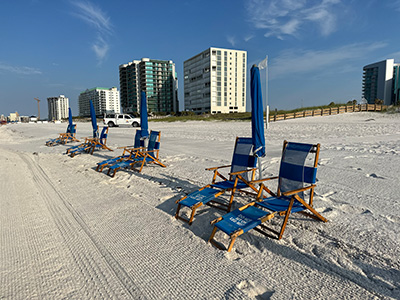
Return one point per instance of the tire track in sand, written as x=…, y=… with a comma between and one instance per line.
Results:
x=103, y=276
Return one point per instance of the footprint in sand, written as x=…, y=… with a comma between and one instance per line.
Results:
x=373, y=175
x=255, y=291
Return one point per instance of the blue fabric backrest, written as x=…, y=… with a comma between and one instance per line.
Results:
x=293, y=173
x=242, y=158
x=103, y=135
x=138, y=141
x=69, y=129
x=153, y=141
x=73, y=129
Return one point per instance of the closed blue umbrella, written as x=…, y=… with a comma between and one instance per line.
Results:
x=70, y=117
x=257, y=117
x=69, y=120
x=144, y=124
x=94, y=121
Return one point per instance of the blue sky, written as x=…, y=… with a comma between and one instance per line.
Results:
x=316, y=48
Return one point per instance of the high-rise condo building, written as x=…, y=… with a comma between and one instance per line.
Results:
x=381, y=80
x=215, y=81
x=105, y=100
x=58, y=107
x=157, y=78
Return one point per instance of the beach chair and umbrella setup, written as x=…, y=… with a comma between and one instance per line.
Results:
x=98, y=141
x=138, y=145
x=141, y=156
x=294, y=179
x=68, y=136
x=138, y=154
x=243, y=166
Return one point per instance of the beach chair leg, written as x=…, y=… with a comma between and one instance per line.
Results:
x=231, y=200
x=286, y=218
x=233, y=239
x=177, y=211
x=109, y=173
x=217, y=245
x=190, y=220
x=212, y=235
x=192, y=215
x=141, y=167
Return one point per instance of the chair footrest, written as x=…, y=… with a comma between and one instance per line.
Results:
x=122, y=164
x=241, y=220
x=204, y=196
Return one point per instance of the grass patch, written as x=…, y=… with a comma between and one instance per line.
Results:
x=235, y=116
x=206, y=117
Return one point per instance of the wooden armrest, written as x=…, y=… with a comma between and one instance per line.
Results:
x=264, y=179
x=216, y=168
x=124, y=147
x=134, y=149
x=289, y=193
x=243, y=171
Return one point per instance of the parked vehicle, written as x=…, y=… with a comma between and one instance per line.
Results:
x=115, y=120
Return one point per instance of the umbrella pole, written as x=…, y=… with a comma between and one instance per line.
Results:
x=260, y=174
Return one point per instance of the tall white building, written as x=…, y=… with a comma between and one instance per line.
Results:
x=105, y=100
x=381, y=80
x=215, y=81
x=58, y=107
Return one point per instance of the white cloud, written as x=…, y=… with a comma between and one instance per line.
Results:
x=100, y=47
x=248, y=37
x=231, y=40
x=306, y=61
x=285, y=17
x=19, y=70
x=96, y=18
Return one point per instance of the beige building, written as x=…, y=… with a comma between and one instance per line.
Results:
x=215, y=81
x=14, y=117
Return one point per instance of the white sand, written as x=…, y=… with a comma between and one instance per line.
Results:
x=68, y=232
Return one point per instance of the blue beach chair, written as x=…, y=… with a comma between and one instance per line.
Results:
x=126, y=154
x=68, y=136
x=140, y=156
x=100, y=142
x=242, y=171
x=295, y=177
x=90, y=144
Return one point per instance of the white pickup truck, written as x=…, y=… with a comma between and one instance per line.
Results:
x=120, y=119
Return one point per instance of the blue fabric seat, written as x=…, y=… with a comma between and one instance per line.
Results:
x=242, y=170
x=295, y=177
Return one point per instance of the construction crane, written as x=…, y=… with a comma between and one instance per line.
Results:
x=38, y=108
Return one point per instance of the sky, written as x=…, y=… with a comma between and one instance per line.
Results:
x=316, y=48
